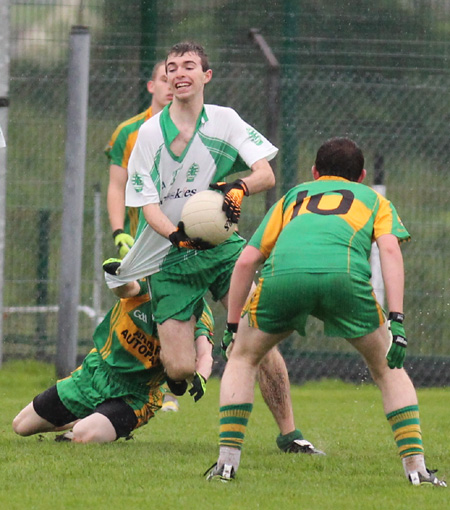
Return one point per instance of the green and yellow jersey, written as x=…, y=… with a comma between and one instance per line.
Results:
x=128, y=343
x=325, y=226
x=118, y=151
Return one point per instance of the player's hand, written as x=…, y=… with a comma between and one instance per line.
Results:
x=198, y=387
x=180, y=239
x=123, y=242
x=397, y=351
x=234, y=194
x=112, y=266
x=228, y=338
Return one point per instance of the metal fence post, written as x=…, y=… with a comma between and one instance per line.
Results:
x=380, y=187
x=72, y=219
x=273, y=103
x=4, y=102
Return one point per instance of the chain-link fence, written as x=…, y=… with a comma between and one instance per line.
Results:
x=391, y=96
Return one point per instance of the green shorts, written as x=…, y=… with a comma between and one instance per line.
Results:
x=177, y=290
x=346, y=305
x=93, y=382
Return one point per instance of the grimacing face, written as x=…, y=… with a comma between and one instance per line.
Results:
x=185, y=75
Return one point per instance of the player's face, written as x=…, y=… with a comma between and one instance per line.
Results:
x=186, y=76
x=160, y=89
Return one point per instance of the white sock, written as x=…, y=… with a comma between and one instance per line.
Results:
x=228, y=455
x=414, y=463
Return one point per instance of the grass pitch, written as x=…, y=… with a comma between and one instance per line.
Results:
x=161, y=468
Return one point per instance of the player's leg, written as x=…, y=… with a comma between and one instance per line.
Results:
x=400, y=404
x=275, y=389
x=177, y=349
x=237, y=394
x=46, y=413
x=274, y=384
x=112, y=419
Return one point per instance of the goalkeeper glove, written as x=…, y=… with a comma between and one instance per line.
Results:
x=234, y=194
x=123, y=242
x=397, y=350
x=112, y=266
x=180, y=239
x=198, y=387
x=228, y=339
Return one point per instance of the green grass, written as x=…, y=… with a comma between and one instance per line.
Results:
x=162, y=467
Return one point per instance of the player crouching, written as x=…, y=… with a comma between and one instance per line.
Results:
x=118, y=386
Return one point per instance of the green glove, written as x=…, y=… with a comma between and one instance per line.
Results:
x=123, y=242
x=198, y=387
x=397, y=351
x=228, y=339
x=112, y=266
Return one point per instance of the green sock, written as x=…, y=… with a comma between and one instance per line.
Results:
x=405, y=424
x=283, y=442
x=233, y=424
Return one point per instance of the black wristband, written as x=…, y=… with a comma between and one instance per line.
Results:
x=397, y=317
x=117, y=232
x=244, y=186
x=232, y=326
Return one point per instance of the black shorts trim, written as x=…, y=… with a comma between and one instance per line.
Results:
x=48, y=406
x=120, y=414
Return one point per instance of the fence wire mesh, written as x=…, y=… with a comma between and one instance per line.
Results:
x=391, y=96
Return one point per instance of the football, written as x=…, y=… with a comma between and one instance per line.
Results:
x=203, y=217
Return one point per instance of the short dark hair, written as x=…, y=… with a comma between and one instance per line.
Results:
x=190, y=47
x=340, y=157
x=156, y=67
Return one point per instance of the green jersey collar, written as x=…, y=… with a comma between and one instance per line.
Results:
x=170, y=131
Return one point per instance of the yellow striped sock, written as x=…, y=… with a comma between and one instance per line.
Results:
x=405, y=424
x=233, y=424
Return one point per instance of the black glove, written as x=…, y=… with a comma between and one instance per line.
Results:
x=198, y=387
x=112, y=266
x=234, y=194
x=228, y=339
x=180, y=239
x=397, y=351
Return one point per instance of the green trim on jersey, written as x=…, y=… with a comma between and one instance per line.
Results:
x=170, y=131
x=154, y=172
x=205, y=325
x=225, y=156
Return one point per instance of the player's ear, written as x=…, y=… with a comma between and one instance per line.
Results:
x=362, y=176
x=208, y=76
x=315, y=172
x=150, y=86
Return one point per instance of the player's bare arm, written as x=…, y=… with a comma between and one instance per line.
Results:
x=392, y=270
x=158, y=220
x=127, y=290
x=241, y=281
x=204, y=360
x=262, y=177
x=116, y=196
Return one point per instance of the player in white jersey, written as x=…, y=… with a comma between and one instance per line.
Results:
x=183, y=150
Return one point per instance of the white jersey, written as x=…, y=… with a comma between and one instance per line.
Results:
x=222, y=144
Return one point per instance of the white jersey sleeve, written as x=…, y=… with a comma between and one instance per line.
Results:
x=250, y=144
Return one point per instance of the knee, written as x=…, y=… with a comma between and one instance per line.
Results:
x=19, y=426
x=178, y=369
x=92, y=432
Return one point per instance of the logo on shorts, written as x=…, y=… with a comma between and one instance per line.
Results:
x=192, y=173
x=255, y=137
x=137, y=182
